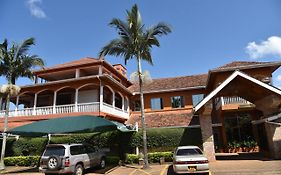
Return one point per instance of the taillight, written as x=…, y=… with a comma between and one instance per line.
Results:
x=67, y=162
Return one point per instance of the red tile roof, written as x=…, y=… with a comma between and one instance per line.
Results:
x=239, y=64
x=81, y=61
x=173, y=83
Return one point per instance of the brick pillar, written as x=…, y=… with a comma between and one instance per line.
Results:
x=207, y=133
x=273, y=132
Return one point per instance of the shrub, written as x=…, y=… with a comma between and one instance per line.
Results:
x=22, y=161
x=155, y=157
x=132, y=158
x=152, y=157
x=159, y=140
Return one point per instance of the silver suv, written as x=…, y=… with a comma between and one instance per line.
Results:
x=70, y=158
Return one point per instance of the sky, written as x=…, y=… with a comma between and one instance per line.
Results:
x=205, y=34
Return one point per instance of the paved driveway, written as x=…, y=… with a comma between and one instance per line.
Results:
x=223, y=167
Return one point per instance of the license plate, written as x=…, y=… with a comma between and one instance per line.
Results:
x=191, y=168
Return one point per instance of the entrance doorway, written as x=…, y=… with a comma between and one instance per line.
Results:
x=238, y=127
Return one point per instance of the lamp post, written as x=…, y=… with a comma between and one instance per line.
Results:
x=10, y=90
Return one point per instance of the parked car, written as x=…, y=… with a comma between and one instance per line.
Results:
x=70, y=158
x=190, y=159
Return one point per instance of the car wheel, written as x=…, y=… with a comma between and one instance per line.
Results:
x=54, y=163
x=79, y=170
x=102, y=163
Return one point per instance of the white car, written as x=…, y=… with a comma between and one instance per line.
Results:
x=190, y=159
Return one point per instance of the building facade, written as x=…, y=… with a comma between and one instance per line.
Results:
x=93, y=86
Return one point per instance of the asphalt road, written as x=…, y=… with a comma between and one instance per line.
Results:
x=224, y=167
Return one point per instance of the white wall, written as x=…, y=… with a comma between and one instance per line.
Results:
x=88, y=96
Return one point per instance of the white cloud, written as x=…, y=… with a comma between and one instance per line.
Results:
x=35, y=10
x=269, y=48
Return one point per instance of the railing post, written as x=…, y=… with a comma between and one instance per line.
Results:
x=35, y=104
x=54, y=102
x=17, y=106
x=76, y=100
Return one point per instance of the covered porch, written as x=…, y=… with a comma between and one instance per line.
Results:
x=266, y=101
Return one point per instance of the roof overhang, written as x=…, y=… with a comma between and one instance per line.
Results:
x=241, y=84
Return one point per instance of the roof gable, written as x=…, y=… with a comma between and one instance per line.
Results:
x=227, y=81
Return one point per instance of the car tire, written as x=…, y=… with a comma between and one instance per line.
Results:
x=102, y=163
x=54, y=163
x=79, y=170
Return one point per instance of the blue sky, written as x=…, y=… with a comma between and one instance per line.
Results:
x=206, y=34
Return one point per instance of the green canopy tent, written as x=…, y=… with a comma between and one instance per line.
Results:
x=64, y=125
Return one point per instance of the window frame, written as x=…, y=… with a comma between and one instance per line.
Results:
x=161, y=104
x=200, y=97
x=182, y=103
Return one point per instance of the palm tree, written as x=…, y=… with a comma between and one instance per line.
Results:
x=14, y=63
x=135, y=42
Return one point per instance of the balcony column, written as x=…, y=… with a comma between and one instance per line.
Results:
x=35, y=79
x=128, y=105
x=101, y=97
x=113, y=99
x=54, y=102
x=76, y=100
x=35, y=104
x=123, y=103
x=100, y=70
x=77, y=73
x=17, y=106
x=1, y=101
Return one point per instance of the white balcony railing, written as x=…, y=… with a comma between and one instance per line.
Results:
x=221, y=101
x=61, y=109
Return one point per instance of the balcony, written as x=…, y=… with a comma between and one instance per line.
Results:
x=238, y=101
x=71, y=108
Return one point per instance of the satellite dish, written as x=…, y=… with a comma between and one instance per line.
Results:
x=146, y=78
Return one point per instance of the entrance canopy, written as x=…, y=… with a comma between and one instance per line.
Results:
x=76, y=124
x=239, y=84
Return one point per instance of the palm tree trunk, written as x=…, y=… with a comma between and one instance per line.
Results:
x=146, y=165
x=2, y=165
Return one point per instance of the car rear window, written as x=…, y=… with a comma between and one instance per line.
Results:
x=56, y=150
x=186, y=152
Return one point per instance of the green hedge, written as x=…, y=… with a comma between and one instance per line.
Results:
x=158, y=139
x=22, y=161
x=152, y=157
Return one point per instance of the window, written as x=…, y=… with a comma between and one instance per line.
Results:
x=177, y=102
x=136, y=106
x=55, y=150
x=186, y=152
x=197, y=98
x=79, y=149
x=156, y=104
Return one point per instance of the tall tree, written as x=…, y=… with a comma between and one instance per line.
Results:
x=15, y=62
x=135, y=42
